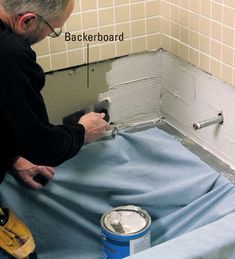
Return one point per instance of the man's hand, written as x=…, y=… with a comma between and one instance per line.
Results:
x=95, y=126
x=27, y=171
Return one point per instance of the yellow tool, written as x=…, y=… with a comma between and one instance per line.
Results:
x=15, y=237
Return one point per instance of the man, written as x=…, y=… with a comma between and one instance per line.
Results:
x=28, y=141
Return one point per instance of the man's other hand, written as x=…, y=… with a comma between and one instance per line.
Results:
x=28, y=172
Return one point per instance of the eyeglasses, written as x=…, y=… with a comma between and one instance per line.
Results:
x=55, y=31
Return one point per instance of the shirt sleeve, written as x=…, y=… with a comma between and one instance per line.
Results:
x=38, y=140
x=24, y=111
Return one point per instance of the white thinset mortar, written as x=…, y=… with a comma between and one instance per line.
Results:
x=148, y=86
x=134, y=88
x=212, y=96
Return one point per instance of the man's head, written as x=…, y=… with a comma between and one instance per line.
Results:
x=36, y=19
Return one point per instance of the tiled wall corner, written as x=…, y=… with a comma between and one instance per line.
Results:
x=202, y=33
x=138, y=20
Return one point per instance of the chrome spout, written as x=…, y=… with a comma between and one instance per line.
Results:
x=202, y=124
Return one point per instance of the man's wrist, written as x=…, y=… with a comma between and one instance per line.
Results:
x=12, y=162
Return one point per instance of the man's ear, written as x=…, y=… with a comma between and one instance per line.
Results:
x=25, y=22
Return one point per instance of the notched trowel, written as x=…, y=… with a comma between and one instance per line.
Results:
x=100, y=107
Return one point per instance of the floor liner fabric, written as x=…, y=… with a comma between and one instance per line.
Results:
x=186, y=199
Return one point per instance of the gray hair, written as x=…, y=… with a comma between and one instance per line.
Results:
x=48, y=8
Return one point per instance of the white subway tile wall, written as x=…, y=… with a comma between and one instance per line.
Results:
x=198, y=31
x=138, y=20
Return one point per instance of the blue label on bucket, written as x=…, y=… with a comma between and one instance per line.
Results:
x=114, y=249
x=117, y=246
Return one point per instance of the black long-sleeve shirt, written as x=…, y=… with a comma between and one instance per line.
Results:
x=25, y=128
